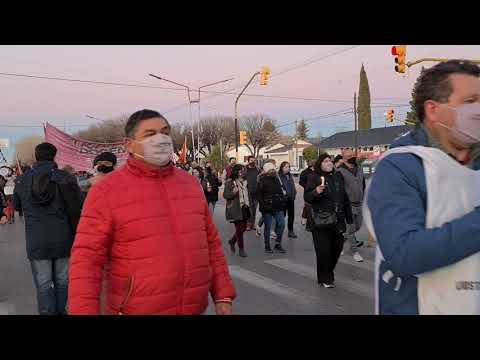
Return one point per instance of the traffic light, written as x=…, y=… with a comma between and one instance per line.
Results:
x=243, y=137
x=400, y=53
x=264, y=75
x=389, y=115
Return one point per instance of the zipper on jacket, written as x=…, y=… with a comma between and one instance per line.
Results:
x=127, y=297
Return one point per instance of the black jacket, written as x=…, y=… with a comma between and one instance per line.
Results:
x=215, y=183
x=270, y=195
x=3, y=203
x=305, y=176
x=49, y=224
x=334, y=198
x=251, y=174
x=289, y=185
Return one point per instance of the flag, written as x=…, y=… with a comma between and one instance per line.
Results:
x=183, y=153
x=19, y=168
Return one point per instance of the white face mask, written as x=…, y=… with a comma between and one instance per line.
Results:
x=157, y=149
x=327, y=167
x=467, y=126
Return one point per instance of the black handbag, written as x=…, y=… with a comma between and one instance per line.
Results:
x=246, y=212
x=324, y=219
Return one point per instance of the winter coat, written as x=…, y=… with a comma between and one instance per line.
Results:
x=305, y=176
x=397, y=201
x=333, y=199
x=154, y=229
x=251, y=174
x=270, y=195
x=233, y=210
x=215, y=183
x=49, y=231
x=289, y=185
x=354, y=184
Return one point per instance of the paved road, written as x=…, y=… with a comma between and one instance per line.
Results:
x=267, y=284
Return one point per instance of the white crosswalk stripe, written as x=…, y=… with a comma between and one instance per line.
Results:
x=270, y=285
x=7, y=308
x=310, y=272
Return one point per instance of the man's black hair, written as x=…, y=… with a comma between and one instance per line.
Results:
x=105, y=156
x=434, y=83
x=235, y=171
x=250, y=157
x=337, y=158
x=45, y=152
x=137, y=117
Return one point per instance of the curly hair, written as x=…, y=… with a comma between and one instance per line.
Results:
x=434, y=83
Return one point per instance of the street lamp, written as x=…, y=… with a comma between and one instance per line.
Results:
x=189, y=104
x=199, y=92
x=264, y=74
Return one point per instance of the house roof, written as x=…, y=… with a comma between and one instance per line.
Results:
x=369, y=137
x=280, y=150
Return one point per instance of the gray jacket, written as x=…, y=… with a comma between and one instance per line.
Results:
x=354, y=184
x=233, y=210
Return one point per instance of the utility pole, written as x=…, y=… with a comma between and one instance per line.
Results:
x=355, y=117
x=296, y=144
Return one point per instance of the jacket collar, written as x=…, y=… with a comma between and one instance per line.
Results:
x=141, y=168
x=45, y=165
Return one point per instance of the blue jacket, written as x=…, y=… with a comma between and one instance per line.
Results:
x=397, y=202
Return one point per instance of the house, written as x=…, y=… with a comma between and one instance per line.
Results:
x=293, y=153
x=243, y=153
x=371, y=142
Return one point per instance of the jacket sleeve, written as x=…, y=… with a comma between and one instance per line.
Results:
x=17, y=202
x=222, y=284
x=259, y=193
x=228, y=193
x=89, y=254
x=398, y=213
x=302, y=181
x=310, y=194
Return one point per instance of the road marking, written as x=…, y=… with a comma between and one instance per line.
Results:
x=270, y=285
x=7, y=308
x=310, y=272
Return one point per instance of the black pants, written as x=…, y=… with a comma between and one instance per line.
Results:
x=290, y=212
x=328, y=245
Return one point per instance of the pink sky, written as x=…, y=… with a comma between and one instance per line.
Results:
x=31, y=101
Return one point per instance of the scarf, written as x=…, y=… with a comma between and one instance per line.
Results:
x=242, y=192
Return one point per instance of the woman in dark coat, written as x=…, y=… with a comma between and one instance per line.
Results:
x=211, y=185
x=288, y=183
x=327, y=197
x=238, y=207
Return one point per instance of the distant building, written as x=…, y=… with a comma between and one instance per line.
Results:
x=293, y=153
x=371, y=142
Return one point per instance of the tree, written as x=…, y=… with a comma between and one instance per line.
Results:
x=261, y=132
x=302, y=130
x=412, y=115
x=215, y=157
x=216, y=128
x=363, y=109
x=310, y=153
x=25, y=148
x=108, y=131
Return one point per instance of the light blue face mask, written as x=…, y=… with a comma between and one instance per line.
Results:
x=157, y=149
x=467, y=124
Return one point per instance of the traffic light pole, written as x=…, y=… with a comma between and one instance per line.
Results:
x=236, y=112
x=412, y=63
x=355, y=117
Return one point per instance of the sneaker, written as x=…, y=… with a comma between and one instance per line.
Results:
x=278, y=248
x=273, y=236
x=292, y=235
x=268, y=250
x=357, y=257
x=258, y=231
x=328, y=286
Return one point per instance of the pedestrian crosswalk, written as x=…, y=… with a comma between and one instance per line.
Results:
x=7, y=308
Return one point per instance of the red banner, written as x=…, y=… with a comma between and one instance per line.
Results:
x=80, y=153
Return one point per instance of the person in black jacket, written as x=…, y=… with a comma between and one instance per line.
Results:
x=272, y=200
x=288, y=183
x=303, y=181
x=251, y=174
x=3, y=201
x=326, y=193
x=51, y=203
x=211, y=185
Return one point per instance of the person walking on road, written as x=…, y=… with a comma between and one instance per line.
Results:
x=305, y=176
x=51, y=202
x=3, y=202
x=211, y=185
x=150, y=222
x=103, y=164
x=288, y=183
x=422, y=201
x=326, y=193
x=238, y=207
x=355, y=187
x=251, y=174
x=272, y=203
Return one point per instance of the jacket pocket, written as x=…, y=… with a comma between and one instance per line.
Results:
x=131, y=284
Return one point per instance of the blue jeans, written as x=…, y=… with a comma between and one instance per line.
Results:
x=51, y=280
x=279, y=217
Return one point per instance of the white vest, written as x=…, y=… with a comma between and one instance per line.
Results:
x=453, y=191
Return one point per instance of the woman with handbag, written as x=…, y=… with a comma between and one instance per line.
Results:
x=325, y=192
x=238, y=206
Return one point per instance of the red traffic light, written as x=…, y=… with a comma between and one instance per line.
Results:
x=394, y=50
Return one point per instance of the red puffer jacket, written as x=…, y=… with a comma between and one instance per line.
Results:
x=154, y=229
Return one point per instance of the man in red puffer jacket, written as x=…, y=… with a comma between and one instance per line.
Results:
x=150, y=222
